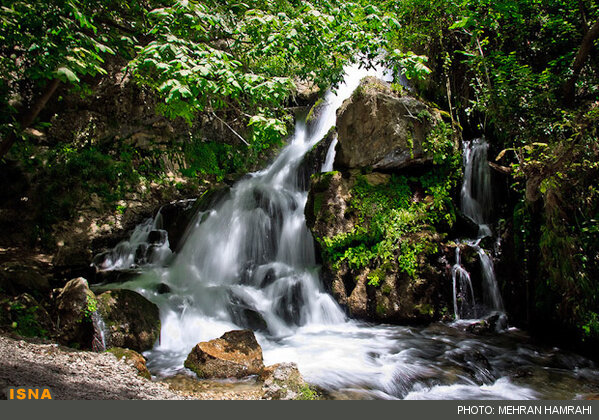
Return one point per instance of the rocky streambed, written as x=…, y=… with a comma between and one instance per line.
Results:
x=121, y=375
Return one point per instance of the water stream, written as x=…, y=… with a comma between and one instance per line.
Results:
x=476, y=203
x=250, y=263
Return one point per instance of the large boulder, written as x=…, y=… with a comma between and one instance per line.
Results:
x=75, y=305
x=382, y=130
x=405, y=283
x=131, y=321
x=234, y=355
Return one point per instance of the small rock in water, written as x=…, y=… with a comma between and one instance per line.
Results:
x=283, y=381
x=234, y=355
x=157, y=237
x=493, y=323
x=163, y=289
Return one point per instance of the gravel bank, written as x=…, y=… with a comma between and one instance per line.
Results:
x=75, y=375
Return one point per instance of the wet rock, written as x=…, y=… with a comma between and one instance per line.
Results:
x=490, y=324
x=157, y=237
x=132, y=358
x=245, y=315
x=75, y=304
x=163, y=289
x=131, y=320
x=315, y=158
x=283, y=381
x=464, y=226
x=234, y=355
x=178, y=216
x=379, y=129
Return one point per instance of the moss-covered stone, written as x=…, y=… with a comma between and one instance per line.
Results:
x=380, y=239
x=283, y=381
x=380, y=129
x=133, y=358
x=74, y=308
x=131, y=320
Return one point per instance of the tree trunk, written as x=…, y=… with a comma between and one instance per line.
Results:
x=29, y=117
x=585, y=49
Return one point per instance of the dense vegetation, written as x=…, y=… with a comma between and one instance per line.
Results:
x=526, y=75
x=523, y=73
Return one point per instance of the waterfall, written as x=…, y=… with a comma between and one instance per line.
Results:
x=249, y=262
x=476, y=195
x=327, y=166
x=99, y=339
x=476, y=203
x=147, y=246
x=464, y=305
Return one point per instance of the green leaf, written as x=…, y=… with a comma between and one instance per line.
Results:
x=66, y=74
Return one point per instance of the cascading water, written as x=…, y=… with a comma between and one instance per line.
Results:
x=476, y=204
x=327, y=166
x=147, y=246
x=250, y=262
x=464, y=305
x=99, y=339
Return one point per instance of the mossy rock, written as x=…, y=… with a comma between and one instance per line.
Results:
x=131, y=320
x=236, y=354
x=132, y=358
x=283, y=381
x=75, y=305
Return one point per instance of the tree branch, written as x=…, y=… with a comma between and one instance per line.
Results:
x=585, y=49
x=30, y=116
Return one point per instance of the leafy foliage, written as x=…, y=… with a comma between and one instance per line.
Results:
x=394, y=223
x=502, y=67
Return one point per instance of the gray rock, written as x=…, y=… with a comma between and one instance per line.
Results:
x=283, y=381
x=379, y=129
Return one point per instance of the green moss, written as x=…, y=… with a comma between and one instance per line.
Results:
x=391, y=226
x=313, y=114
x=318, y=201
x=307, y=393
x=25, y=320
x=425, y=309
x=91, y=306
x=381, y=310
x=321, y=182
x=195, y=368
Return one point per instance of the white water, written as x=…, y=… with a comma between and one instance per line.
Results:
x=327, y=166
x=250, y=261
x=99, y=339
x=476, y=203
x=147, y=246
x=464, y=304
